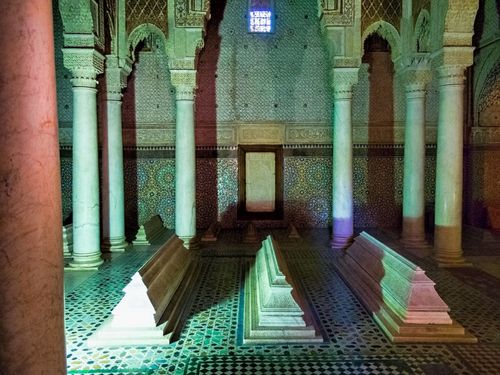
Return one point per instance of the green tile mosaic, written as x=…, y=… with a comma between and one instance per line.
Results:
x=209, y=342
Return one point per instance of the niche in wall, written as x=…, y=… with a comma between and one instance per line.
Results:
x=260, y=182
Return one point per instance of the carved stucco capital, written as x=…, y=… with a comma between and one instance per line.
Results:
x=184, y=82
x=343, y=79
x=453, y=56
x=84, y=64
x=418, y=74
x=117, y=71
x=181, y=64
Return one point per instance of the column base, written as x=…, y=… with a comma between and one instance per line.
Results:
x=417, y=245
x=450, y=259
x=190, y=243
x=341, y=242
x=86, y=262
x=114, y=245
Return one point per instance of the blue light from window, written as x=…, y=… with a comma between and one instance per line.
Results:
x=260, y=21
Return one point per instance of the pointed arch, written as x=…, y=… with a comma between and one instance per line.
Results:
x=386, y=31
x=144, y=31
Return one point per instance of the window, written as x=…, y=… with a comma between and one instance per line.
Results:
x=260, y=16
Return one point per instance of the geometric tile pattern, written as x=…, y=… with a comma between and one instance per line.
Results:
x=150, y=189
x=286, y=366
x=307, y=188
x=210, y=342
x=216, y=191
x=66, y=186
x=149, y=99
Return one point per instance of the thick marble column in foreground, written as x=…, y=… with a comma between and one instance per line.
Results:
x=342, y=200
x=449, y=164
x=185, y=158
x=31, y=264
x=413, y=233
x=85, y=64
x=113, y=187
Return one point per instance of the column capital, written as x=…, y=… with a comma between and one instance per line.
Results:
x=84, y=64
x=418, y=74
x=117, y=71
x=342, y=81
x=451, y=74
x=184, y=82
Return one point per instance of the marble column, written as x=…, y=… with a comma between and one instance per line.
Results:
x=342, y=200
x=31, y=264
x=86, y=230
x=185, y=158
x=413, y=231
x=449, y=164
x=113, y=185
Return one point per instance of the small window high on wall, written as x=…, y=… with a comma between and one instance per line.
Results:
x=261, y=16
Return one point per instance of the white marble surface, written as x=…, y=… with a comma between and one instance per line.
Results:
x=260, y=181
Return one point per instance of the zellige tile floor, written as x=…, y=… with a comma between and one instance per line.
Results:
x=211, y=340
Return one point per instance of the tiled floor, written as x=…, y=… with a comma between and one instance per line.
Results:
x=211, y=340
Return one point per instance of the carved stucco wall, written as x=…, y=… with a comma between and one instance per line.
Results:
x=486, y=71
x=482, y=180
x=482, y=183
x=281, y=77
x=63, y=76
x=149, y=99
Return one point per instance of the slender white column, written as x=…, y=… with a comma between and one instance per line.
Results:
x=413, y=233
x=86, y=233
x=114, y=240
x=185, y=159
x=449, y=164
x=342, y=199
x=113, y=189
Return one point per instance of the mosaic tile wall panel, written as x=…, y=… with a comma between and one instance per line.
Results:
x=308, y=191
x=216, y=191
x=228, y=190
x=378, y=196
x=149, y=97
x=246, y=71
x=149, y=191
